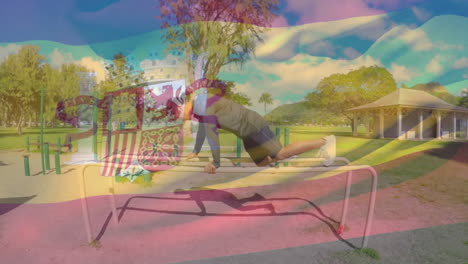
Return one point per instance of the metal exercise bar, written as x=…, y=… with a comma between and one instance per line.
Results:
x=348, y=168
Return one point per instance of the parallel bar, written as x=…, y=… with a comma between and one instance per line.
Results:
x=46, y=156
x=247, y=162
x=238, y=149
x=344, y=211
x=26, y=165
x=84, y=205
x=286, y=141
x=200, y=162
x=370, y=211
x=95, y=125
x=115, y=217
x=278, y=135
x=27, y=143
x=421, y=124
x=59, y=145
x=41, y=120
x=268, y=170
x=109, y=127
x=381, y=123
x=57, y=163
x=69, y=143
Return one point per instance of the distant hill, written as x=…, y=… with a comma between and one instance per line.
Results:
x=301, y=113
x=437, y=90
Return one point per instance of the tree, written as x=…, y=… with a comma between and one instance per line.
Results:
x=120, y=74
x=20, y=79
x=338, y=93
x=215, y=33
x=235, y=96
x=463, y=101
x=265, y=98
x=61, y=84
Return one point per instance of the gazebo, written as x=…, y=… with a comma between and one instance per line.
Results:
x=412, y=114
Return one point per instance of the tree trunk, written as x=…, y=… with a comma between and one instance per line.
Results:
x=19, y=125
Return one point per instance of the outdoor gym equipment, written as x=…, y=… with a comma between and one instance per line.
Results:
x=198, y=168
x=160, y=148
x=67, y=143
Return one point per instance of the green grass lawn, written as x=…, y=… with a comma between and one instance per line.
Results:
x=10, y=140
x=360, y=150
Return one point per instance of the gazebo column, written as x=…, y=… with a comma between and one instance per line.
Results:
x=368, y=123
x=421, y=123
x=354, y=124
x=466, y=127
x=399, y=123
x=439, y=121
x=381, y=123
x=454, y=125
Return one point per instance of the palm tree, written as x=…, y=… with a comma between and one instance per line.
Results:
x=265, y=98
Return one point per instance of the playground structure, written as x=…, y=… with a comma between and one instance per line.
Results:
x=159, y=149
x=44, y=147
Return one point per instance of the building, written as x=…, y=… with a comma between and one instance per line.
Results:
x=170, y=68
x=412, y=114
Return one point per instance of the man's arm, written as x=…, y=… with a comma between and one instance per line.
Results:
x=200, y=139
x=213, y=140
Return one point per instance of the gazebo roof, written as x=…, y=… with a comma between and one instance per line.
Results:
x=411, y=98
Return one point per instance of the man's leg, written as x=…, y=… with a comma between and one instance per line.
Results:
x=327, y=145
x=299, y=147
x=293, y=149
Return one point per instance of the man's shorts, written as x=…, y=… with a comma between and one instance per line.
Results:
x=261, y=144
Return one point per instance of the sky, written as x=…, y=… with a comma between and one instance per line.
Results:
x=416, y=40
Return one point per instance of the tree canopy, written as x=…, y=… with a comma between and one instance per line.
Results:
x=463, y=100
x=23, y=75
x=215, y=33
x=265, y=98
x=232, y=94
x=339, y=92
x=120, y=74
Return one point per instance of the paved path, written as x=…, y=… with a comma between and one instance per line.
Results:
x=423, y=220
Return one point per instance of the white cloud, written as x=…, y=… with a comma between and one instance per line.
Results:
x=279, y=21
x=401, y=73
x=351, y=53
x=445, y=46
x=297, y=77
x=306, y=75
x=417, y=39
x=413, y=37
x=281, y=42
x=434, y=66
x=420, y=13
x=7, y=50
x=58, y=58
x=461, y=63
x=321, y=47
x=97, y=66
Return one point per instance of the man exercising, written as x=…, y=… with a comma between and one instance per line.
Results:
x=213, y=111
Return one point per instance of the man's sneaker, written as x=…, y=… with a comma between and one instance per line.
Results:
x=328, y=150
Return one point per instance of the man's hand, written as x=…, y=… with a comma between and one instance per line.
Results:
x=191, y=156
x=265, y=162
x=210, y=168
